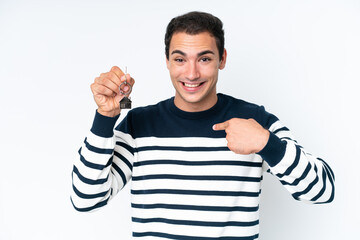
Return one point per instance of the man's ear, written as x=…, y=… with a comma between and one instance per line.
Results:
x=223, y=60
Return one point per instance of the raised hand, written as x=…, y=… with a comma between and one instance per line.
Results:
x=107, y=93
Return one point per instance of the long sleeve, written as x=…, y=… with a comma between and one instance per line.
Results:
x=104, y=165
x=306, y=177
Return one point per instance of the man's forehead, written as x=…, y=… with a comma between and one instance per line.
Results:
x=201, y=41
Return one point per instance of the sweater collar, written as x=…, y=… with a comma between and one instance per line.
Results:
x=197, y=115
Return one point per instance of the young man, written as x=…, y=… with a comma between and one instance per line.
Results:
x=196, y=160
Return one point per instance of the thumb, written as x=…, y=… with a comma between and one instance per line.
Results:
x=118, y=97
x=220, y=126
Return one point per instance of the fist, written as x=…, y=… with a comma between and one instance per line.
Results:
x=106, y=91
x=244, y=136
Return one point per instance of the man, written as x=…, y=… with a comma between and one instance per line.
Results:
x=196, y=160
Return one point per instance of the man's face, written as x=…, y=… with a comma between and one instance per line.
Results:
x=193, y=64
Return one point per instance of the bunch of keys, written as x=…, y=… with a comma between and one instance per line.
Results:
x=125, y=103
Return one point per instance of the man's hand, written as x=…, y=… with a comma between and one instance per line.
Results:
x=107, y=93
x=244, y=136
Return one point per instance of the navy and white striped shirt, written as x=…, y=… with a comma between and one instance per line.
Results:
x=186, y=183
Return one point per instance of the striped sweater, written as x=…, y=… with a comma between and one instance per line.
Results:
x=186, y=183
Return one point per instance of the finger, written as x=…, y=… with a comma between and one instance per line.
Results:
x=99, y=89
x=127, y=78
x=113, y=77
x=132, y=81
x=221, y=126
x=119, y=97
x=117, y=71
x=109, y=83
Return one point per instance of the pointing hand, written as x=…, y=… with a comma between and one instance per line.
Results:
x=244, y=136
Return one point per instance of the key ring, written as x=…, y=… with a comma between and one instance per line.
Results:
x=125, y=103
x=126, y=83
x=121, y=91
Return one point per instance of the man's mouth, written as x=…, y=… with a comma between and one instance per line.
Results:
x=192, y=85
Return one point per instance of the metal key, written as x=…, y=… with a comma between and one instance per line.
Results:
x=125, y=103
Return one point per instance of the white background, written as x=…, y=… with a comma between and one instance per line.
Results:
x=300, y=59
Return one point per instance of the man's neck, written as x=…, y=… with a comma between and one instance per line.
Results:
x=203, y=105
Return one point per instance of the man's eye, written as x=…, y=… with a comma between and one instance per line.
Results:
x=205, y=59
x=179, y=60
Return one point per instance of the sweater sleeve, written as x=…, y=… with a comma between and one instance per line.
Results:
x=307, y=177
x=104, y=165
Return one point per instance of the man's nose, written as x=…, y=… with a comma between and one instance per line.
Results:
x=192, y=72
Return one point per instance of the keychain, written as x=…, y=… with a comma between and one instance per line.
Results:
x=125, y=103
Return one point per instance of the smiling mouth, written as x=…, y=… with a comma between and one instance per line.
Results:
x=192, y=85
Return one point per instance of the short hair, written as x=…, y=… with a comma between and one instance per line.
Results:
x=194, y=23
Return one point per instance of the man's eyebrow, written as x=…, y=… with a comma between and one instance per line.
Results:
x=179, y=52
x=205, y=52
x=199, y=54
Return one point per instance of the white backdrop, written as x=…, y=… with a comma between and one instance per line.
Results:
x=298, y=58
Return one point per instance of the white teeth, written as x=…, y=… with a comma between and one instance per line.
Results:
x=191, y=85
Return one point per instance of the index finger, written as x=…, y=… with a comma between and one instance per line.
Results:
x=117, y=71
x=221, y=126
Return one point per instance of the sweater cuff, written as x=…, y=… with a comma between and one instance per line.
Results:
x=103, y=126
x=274, y=150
